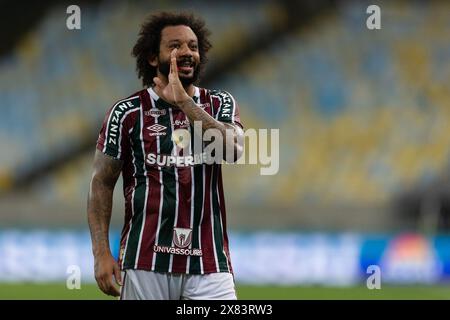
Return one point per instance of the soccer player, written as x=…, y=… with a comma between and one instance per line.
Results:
x=174, y=242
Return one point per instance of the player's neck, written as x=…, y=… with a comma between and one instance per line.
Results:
x=190, y=89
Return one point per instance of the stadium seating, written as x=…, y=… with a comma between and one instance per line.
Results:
x=57, y=84
x=362, y=114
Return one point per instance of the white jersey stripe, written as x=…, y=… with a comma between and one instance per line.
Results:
x=144, y=213
x=191, y=224
x=201, y=218
x=120, y=130
x=161, y=194
x=221, y=227
x=174, y=150
x=234, y=109
x=132, y=208
x=212, y=219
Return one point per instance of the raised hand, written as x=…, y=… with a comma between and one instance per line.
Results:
x=173, y=92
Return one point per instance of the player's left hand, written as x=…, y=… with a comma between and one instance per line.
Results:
x=173, y=92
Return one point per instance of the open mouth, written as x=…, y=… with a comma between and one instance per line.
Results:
x=185, y=66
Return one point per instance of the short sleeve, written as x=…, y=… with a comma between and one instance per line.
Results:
x=228, y=109
x=113, y=139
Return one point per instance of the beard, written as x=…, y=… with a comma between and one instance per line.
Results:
x=164, y=68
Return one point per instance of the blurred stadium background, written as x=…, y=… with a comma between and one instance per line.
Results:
x=364, y=142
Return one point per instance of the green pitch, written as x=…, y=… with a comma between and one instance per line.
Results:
x=90, y=291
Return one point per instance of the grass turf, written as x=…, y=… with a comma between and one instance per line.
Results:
x=90, y=291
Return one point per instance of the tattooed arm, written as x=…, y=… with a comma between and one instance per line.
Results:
x=104, y=178
x=172, y=91
x=195, y=113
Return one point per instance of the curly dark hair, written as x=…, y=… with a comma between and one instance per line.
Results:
x=149, y=40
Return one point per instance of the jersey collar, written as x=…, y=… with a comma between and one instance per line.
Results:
x=161, y=104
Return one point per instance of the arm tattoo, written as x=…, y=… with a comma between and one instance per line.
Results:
x=195, y=113
x=104, y=178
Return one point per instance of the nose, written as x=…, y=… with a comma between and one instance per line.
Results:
x=184, y=51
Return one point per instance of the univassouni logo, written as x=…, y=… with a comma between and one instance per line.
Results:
x=182, y=237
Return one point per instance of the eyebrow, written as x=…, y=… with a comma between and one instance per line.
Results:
x=178, y=40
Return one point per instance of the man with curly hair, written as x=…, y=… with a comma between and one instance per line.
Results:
x=174, y=243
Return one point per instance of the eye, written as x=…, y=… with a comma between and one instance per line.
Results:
x=194, y=47
x=174, y=45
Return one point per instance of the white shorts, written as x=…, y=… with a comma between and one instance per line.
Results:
x=149, y=285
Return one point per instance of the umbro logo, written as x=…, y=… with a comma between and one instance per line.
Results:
x=158, y=130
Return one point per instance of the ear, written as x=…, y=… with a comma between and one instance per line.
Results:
x=153, y=60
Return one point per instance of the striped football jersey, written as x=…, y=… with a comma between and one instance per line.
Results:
x=175, y=218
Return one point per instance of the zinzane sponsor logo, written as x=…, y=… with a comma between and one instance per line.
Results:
x=226, y=103
x=154, y=112
x=117, y=112
x=179, y=251
x=158, y=130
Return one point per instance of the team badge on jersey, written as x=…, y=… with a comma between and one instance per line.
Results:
x=181, y=137
x=182, y=237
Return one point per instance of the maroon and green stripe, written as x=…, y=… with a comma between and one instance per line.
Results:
x=139, y=196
